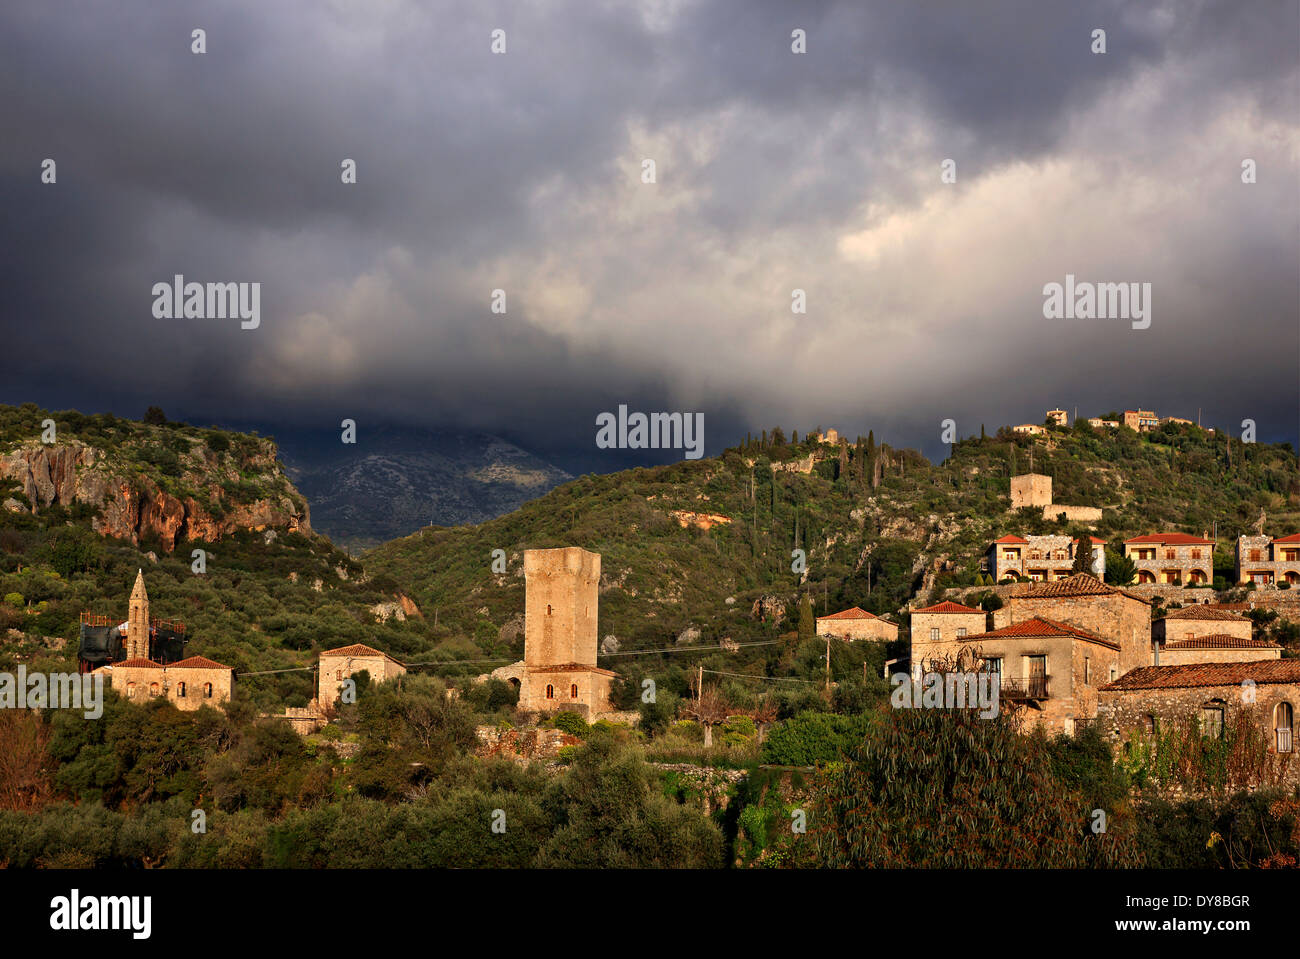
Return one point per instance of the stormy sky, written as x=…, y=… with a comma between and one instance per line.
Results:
x=775, y=171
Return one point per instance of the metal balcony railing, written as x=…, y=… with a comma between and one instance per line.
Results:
x=1035, y=687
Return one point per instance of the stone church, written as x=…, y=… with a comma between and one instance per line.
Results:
x=559, y=671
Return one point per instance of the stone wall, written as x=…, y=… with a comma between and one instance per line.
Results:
x=1122, y=713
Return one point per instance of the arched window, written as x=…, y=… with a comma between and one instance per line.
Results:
x=338, y=674
x=207, y=690
x=180, y=690
x=573, y=691
x=1283, y=722
x=153, y=689
x=130, y=689
x=550, y=691
x=548, y=609
x=1149, y=724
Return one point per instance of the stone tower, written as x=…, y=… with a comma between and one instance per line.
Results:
x=1031, y=489
x=137, y=621
x=560, y=606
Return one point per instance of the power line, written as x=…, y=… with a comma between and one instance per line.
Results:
x=770, y=679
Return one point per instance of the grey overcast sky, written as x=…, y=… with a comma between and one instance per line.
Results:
x=775, y=171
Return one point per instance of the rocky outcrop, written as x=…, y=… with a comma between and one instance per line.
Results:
x=768, y=608
x=704, y=521
x=132, y=506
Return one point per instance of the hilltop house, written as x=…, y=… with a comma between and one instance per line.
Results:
x=1266, y=562
x=1172, y=558
x=855, y=623
x=1141, y=421
x=336, y=666
x=1040, y=558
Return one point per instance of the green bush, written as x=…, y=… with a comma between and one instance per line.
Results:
x=811, y=738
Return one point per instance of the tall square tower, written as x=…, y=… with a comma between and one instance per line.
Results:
x=560, y=606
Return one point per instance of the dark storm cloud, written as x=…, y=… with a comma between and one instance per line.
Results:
x=775, y=171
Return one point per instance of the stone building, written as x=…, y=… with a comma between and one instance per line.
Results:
x=1031, y=489
x=1087, y=603
x=1193, y=622
x=1215, y=648
x=1267, y=562
x=1141, y=421
x=1096, y=422
x=561, y=605
x=187, y=684
x=940, y=632
x=1058, y=417
x=1029, y=429
x=1052, y=668
x=1040, y=558
x=1213, y=695
x=1173, y=558
x=336, y=665
x=855, y=623
x=1035, y=490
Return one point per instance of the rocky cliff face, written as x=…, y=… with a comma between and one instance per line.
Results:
x=131, y=505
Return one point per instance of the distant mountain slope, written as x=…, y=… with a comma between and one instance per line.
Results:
x=393, y=482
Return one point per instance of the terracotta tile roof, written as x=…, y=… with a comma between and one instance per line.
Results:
x=139, y=663
x=1080, y=584
x=948, y=606
x=1221, y=641
x=197, y=662
x=1241, y=606
x=1293, y=538
x=1011, y=539
x=852, y=613
x=1171, y=539
x=355, y=650
x=1267, y=671
x=1038, y=626
x=1206, y=613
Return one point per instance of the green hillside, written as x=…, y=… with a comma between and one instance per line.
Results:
x=878, y=526
x=270, y=597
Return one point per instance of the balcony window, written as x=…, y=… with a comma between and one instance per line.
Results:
x=961, y=632
x=1283, y=719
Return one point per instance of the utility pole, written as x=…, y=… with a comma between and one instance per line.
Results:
x=828, y=664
